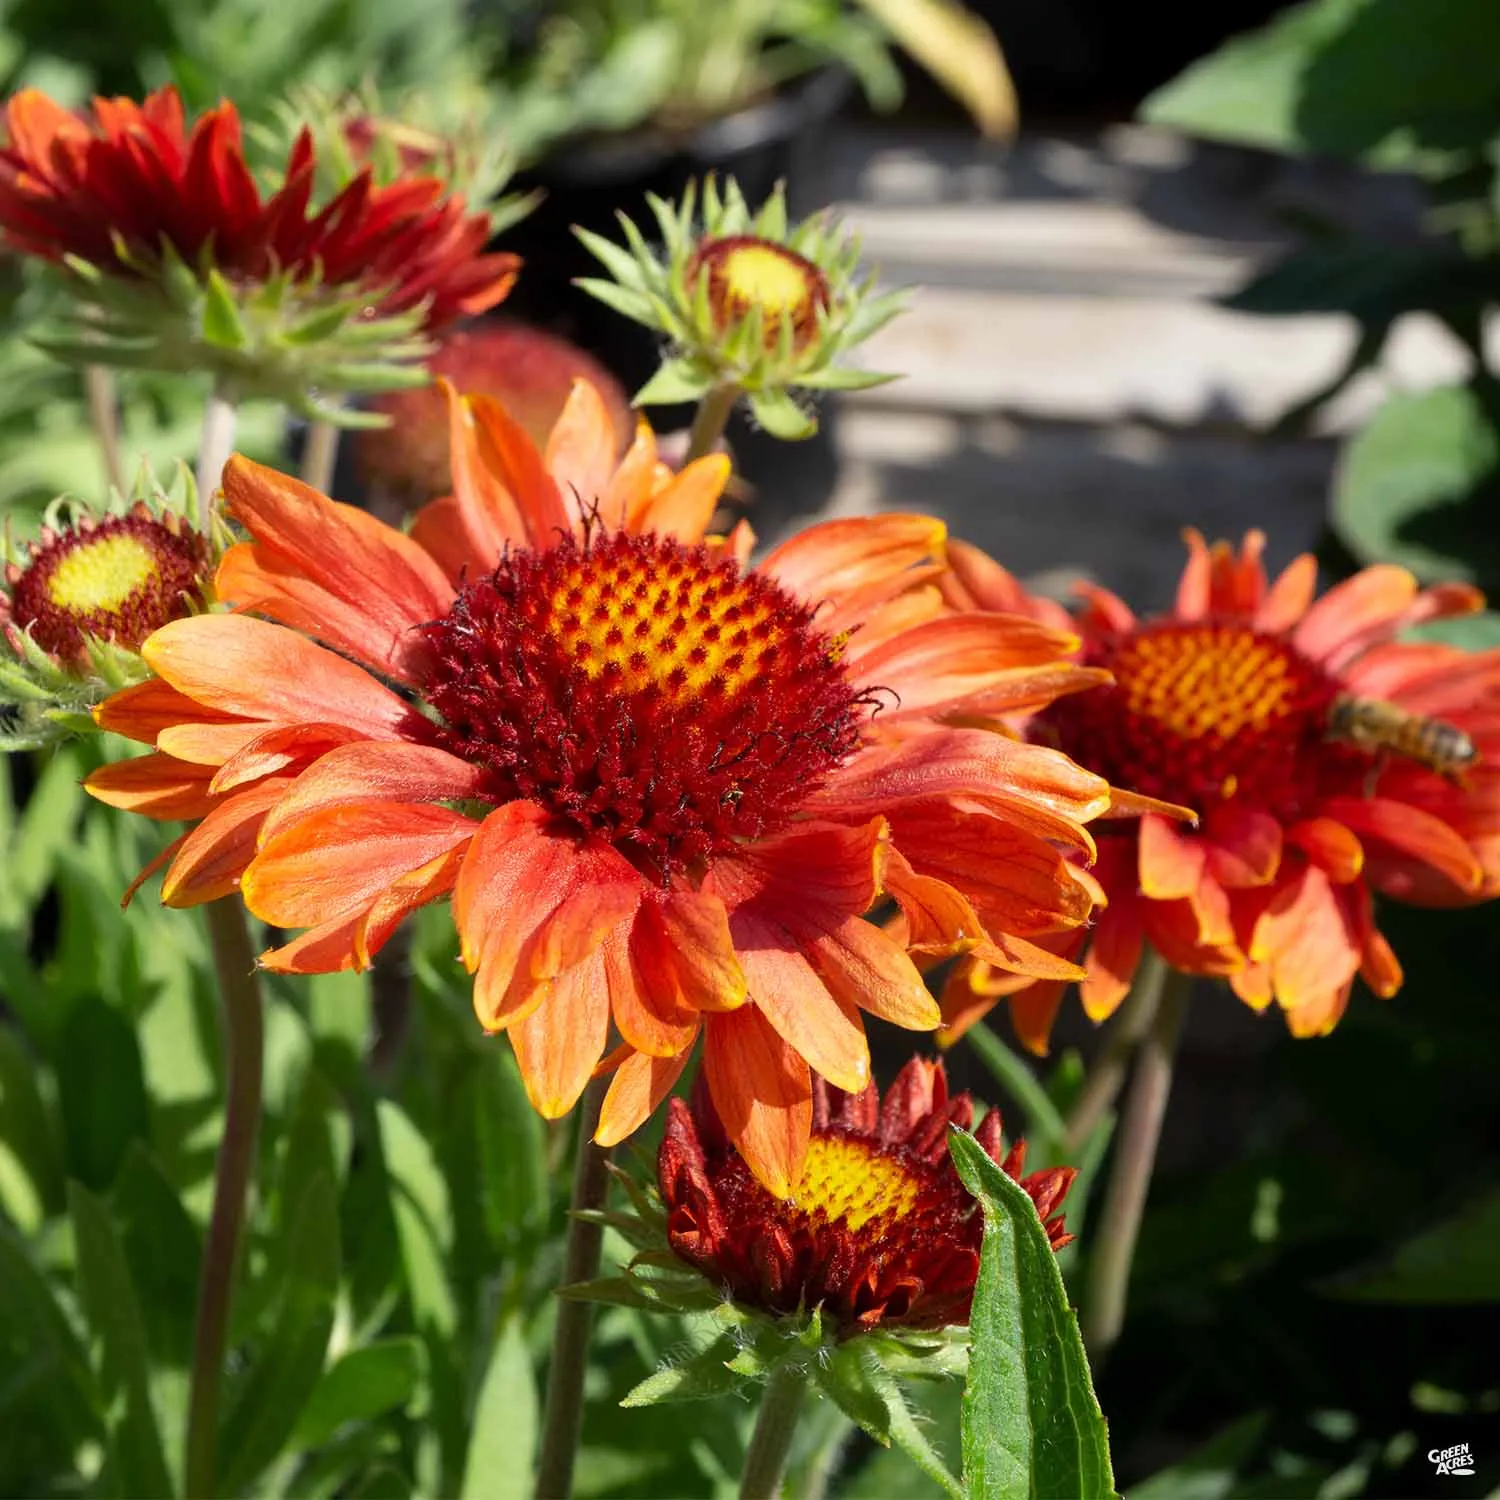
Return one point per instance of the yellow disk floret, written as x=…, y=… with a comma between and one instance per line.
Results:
x=847, y=1180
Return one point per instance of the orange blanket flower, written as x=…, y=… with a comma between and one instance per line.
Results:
x=1227, y=705
x=662, y=788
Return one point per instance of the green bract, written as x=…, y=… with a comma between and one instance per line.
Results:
x=715, y=348
x=45, y=698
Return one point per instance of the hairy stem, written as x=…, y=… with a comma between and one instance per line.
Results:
x=562, y=1420
x=775, y=1425
x=1107, y=1069
x=1119, y=1224
x=319, y=455
x=239, y=992
x=104, y=415
x=710, y=420
x=219, y=418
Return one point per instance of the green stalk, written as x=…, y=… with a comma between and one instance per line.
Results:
x=244, y=1034
x=1110, y=1064
x=220, y=416
x=562, y=1419
x=319, y=456
x=775, y=1425
x=104, y=415
x=1119, y=1226
x=710, y=420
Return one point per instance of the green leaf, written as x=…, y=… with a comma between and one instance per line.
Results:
x=424, y=1223
x=26, y=1125
x=361, y=1385
x=781, y=416
x=514, y=1192
x=1418, y=484
x=290, y=1364
x=1477, y=632
x=163, y=1249
x=46, y=829
x=1453, y=1261
x=675, y=381
x=101, y=1092
x=1353, y=77
x=499, y=1461
x=1032, y=1427
x=114, y=1315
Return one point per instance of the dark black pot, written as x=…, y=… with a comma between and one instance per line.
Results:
x=588, y=182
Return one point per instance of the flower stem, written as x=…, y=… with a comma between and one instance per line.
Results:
x=562, y=1420
x=219, y=418
x=1130, y=1177
x=1107, y=1070
x=710, y=420
x=319, y=455
x=239, y=991
x=99, y=387
x=775, y=1425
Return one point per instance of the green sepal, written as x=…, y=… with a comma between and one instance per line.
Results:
x=674, y=382
x=780, y=415
x=700, y=1377
x=223, y=328
x=625, y=300
x=844, y=378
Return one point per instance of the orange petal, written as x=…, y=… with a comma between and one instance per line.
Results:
x=1112, y=959
x=1287, y=599
x=1378, y=965
x=143, y=711
x=1102, y=612
x=344, y=858
x=685, y=954
x=375, y=771
x=328, y=948
x=258, y=670
x=1009, y=955
x=608, y=892
x=1238, y=580
x=819, y=872
x=515, y=875
x=816, y=1023
x=1252, y=984
x=1318, y=1016
x=629, y=489
x=278, y=749
x=498, y=471
x=1171, y=864
x=939, y=920
x=213, y=857
x=945, y=662
x=635, y=1094
x=581, y=450
x=559, y=1042
x=1194, y=587
x=1410, y=832
x=1330, y=846
x=1351, y=610
x=1306, y=937
x=974, y=580
x=330, y=570
x=685, y=505
x=830, y=559
x=1032, y=1014
x=762, y=1092
x=154, y=785
x=1017, y=882
x=866, y=969
x=1243, y=845
x=1038, y=788
x=216, y=743
x=646, y=1011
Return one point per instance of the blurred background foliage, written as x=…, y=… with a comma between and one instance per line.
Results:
x=1315, y=1305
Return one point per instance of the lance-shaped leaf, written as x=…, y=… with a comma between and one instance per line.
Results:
x=1032, y=1429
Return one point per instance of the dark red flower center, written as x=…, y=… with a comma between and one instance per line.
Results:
x=745, y=274
x=116, y=580
x=872, y=1234
x=645, y=690
x=1200, y=713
